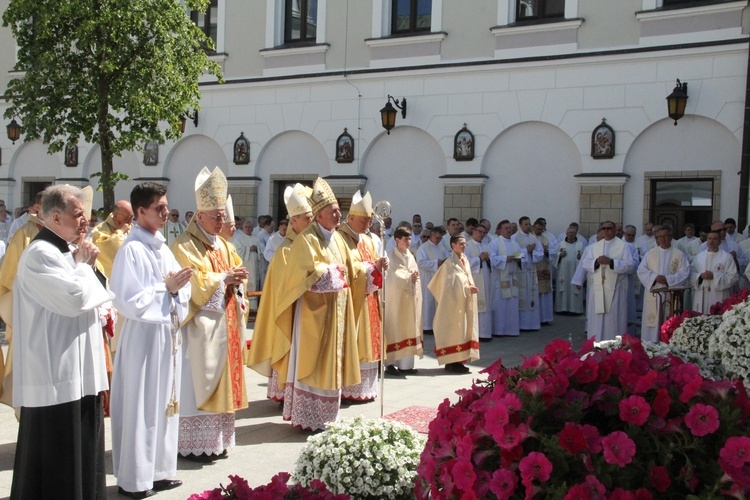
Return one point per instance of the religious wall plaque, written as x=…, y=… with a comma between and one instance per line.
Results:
x=345, y=148
x=603, y=141
x=241, y=150
x=151, y=153
x=463, y=145
x=71, y=156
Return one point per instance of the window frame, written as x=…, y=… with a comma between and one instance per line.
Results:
x=542, y=16
x=413, y=17
x=211, y=12
x=287, y=24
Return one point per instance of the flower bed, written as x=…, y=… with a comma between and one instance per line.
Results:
x=277, y=489
x=588, y=424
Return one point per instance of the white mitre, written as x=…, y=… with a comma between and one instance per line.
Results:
x=210, y=190
x=361, y=205
x=230, y=209
x=296, y=199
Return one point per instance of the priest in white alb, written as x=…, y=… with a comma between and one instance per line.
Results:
x=248, y=248
x=173, y=228
x=152, y=293
x=607, y=266
x=568, y=297
x=429, y=258
x=528, y=283
x=664, y=266
x=713, y=274
x=478, y=255
x=505, y=258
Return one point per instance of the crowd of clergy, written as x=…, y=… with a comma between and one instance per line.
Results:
x=143, y=317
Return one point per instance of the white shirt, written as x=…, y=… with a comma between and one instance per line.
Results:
x=57, y=343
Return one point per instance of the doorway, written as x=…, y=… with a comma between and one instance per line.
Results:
x=680, y=201
x=278, y=206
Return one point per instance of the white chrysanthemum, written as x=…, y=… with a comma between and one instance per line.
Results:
x=730, y=341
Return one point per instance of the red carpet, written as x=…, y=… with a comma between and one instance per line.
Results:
x=416, y=417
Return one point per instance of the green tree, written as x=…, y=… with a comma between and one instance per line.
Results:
x=111, y=71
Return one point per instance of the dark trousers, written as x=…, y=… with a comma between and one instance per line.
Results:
x=60, y=452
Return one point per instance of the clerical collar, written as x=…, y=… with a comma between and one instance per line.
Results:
x=211, y=237
x=359, y=236
x=156, y=240
x=48, y=235
x=326, y=233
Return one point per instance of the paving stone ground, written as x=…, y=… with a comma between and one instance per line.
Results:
x=267, y=445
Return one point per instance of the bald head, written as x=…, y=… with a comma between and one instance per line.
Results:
x=122, y=213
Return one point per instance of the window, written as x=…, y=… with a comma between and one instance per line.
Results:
x=208, y=21
x=411, y=16
x=300, y=21
x=539, y=9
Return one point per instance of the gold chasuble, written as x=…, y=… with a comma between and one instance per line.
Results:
x=328, y=357
x=8, y=269
x=108, y=240
x=456, y=323
x=272, y=335
x=366, y=305
x=215, y=339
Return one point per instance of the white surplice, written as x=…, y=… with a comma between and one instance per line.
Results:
x=673, y=265
x=482, y=275
x=144, y=438
x=607, y=298
x=248, y=248
x=503, y=253
x=708, y=292
x=568, y=297
x=528, y=295
x=427, y=261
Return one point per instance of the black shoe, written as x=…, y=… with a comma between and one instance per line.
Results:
x=412, y=371
x=220, y=456
x=393, y=371
x=166, y=484
x=136, y=494
x=201, y=459
x=428, y=332
x=457, y=368
x=482, y=339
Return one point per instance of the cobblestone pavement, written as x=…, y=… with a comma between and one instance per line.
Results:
x=267, y=445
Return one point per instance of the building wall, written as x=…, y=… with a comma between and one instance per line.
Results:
x=532, y=114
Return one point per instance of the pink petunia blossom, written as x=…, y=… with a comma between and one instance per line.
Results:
x=736, y=451
x=634, y=410
x=557, y=350
x=597, y=489
x=572, y=439
x=661, y=402
x=463, y=475
x=535, y=466
x=578, y=492
x=702, y=419
x=503, y=483
x=659, y=477
x=513, y=435
x=588, y=372
x=593, y=438
x=618, y=449
x=496, y=419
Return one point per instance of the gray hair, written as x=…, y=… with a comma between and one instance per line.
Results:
x=56, y=198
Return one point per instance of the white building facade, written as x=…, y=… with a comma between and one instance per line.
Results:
x=530, y=80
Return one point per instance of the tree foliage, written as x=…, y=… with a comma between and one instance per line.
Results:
x=112, y=72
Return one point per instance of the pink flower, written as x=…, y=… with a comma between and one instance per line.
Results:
x=503, y=483
x=618, y=448
x=702, y=419
x=661, y=402
x=595, y=486
x=572, y=439
x=463, y=475
x=496, y=419
x=535, y=466
x=593, y=438
x=578, y=492
x=513, y=435
x=557, y=350
x=634, y=410
x=659, y=477
x=736, y=451
x=588, y=371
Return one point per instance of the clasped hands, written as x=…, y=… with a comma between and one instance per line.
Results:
x=86, y=252
x=176, y=280
x=236, y=276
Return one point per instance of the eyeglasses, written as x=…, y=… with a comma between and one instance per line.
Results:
x=217, y=218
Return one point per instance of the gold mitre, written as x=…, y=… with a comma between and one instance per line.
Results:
x=87, y=196
x=322, y=195
x=361, y=205
x=296, y=199
x=230, y=209
x=210, y=190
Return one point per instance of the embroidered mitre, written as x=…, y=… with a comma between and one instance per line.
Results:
x=210, y=190
x=322, y=195
x=296, y=199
